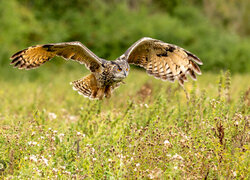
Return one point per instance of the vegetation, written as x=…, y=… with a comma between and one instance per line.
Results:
x=149, y=128
x=207, y=28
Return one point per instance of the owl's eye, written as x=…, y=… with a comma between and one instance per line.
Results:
x=119, y=69
x=127, y=69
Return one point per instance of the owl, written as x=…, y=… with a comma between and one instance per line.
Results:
x=161, y=60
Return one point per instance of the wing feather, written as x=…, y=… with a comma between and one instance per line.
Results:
x=35, y=56
x=163, y=60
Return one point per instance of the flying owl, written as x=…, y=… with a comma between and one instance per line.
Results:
x=162, y=60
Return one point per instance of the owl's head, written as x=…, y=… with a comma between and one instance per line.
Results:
x=120, y=70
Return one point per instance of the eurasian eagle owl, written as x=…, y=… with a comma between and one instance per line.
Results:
x=162, y=60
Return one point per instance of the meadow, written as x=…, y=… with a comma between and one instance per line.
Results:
x=148, y=129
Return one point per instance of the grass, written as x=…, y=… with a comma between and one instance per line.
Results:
x=148, y=129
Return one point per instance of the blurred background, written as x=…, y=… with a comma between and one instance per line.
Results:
x=217, y=31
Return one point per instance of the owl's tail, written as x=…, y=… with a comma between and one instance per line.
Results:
x=87, y=86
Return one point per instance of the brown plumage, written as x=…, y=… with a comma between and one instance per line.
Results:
x=162, y=60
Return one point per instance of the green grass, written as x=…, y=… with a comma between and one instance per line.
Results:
x=148, y=129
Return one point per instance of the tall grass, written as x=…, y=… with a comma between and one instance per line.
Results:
x=148, y=129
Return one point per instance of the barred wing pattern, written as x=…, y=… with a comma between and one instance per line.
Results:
x=34, y=56
x=163, y=60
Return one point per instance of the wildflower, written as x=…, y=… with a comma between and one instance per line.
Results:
x=67, y=172
x=175, y=167
x=52, y=116
x=146, y=105
x=168, y=155
x=33, y=158
x=72, y=118
x=151, y=176
x=78, y=134
x=32, y=143
x=94, y=159
x=33, y=133
x=135, y=169
x=138, y=164
x=42, y=137
x=109, y=160
x=177, y=157
x=61, y=136
x=54, y=131
x=166, y=142
x=45, y=161
x=234, y=173
x=54, y=170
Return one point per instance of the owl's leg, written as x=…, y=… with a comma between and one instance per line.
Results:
x=108, y=91
x=100, y=93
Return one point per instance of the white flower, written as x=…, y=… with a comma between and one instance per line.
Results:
x=33, y=143
x=135, y=169
x=67, y=172
x=52, y=116
x=234, y=173
x=178, y=157
x=78, y=134
x=42, y=137
x=166, y=142
x=61, y=136
x=151, y=176
x=45, y=161
x=55, y=170
x=168, y=155
x=146, y=105
x=94, y=159
x=33, y=158
x=138, y=164
x=175, y=167
x=54, y=131
x=33, y=133
x=72, y=118
x=109, y=160
x=132, y=159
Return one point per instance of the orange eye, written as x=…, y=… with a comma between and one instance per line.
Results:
x=127, y=69
x=119, y=70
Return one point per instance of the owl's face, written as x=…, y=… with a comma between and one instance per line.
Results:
x=120, y=70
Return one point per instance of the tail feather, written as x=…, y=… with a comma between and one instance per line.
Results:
x=87, y=86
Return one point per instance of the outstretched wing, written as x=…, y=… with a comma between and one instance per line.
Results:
x=163, y=60
x=34, y=56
